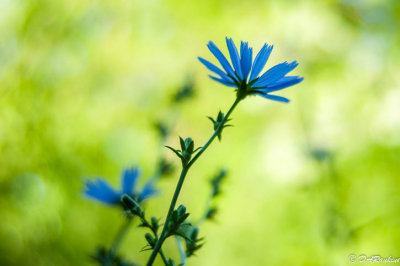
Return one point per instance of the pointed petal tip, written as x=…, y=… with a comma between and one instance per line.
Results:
x=221, y=58
x=222, y=81
x=234, y=55
x=279, y=99
x=260, y=61
x=210, y=43
x=268, y=46
x=275, y=97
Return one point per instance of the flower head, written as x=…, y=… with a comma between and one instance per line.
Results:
x=100, y=190
x=245, y=73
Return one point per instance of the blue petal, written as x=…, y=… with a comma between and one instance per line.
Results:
x=275, y=73
x=215, y=69
x=285, y=82
x=274, y=97
x=234, y=56
x=129, y=179
x=101, y=191
x=148, y=191
x=221, y=58
x=246, y=57
x=229, y=84
x=260, y=61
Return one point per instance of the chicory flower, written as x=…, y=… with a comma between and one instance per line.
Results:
x=100, y=190
x=244, y=73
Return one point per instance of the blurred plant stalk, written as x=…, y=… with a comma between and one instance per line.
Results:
x=183, y=174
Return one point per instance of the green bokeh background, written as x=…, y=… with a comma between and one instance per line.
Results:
x=82, y=82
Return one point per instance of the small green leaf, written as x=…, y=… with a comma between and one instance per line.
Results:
x=183, y=146
x=184, y=230
x=198, y=148
x=211, y=213
x=131, y=205
x=154, y=223
x=192, y=241
x=150, y=239
x=220, y=116
x=170, y=262
x=212, y=119
x=175, y=151
x=190, y=145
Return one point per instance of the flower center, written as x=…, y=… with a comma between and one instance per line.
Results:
x=242, y=90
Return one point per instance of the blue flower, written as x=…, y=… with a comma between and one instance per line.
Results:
x=245, y=73
x=100, y=190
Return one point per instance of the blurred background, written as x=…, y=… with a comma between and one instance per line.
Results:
x=83, y=82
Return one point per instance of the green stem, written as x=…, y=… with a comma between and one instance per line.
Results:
x=171, y=209
x=147, y=224
x=181, y=251
x=118, y=240
x=184, y=171
x=204, y=217
x=216, y=132
x=122, y=232
x=163, y=257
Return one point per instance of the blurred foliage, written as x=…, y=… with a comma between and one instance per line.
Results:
x=83, y=82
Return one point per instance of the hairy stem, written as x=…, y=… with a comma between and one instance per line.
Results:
x=184, y=171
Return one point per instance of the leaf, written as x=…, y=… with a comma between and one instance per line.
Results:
x=193, y=242
x=183, y=146
x=198, y=148
x=185, y=231
x=175, y=151
x=212, y=119
x=190, y=146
